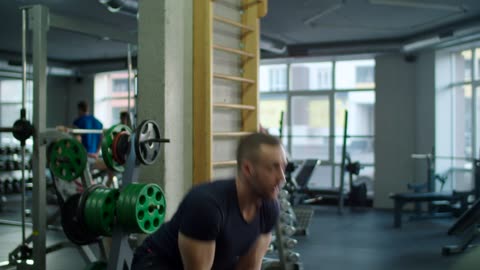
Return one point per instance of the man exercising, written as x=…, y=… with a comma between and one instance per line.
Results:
x=225, y=224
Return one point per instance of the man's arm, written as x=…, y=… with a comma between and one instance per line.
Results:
x=253, y=259
x=196, y=254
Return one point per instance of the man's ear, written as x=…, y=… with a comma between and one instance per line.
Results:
x=247, y=168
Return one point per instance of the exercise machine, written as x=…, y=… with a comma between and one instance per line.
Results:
x=467, y=228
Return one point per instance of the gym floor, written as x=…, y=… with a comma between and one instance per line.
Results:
x=358, y=239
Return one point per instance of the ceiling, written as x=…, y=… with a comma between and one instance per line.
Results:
x=315, y=27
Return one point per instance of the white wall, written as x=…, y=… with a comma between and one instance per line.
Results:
x=79, y=89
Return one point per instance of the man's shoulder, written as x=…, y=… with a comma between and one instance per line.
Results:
x=216, y=192
x=214, y=187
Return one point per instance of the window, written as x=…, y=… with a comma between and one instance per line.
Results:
x=120, y=85
x=274, y=78
x=311, y=76
x=313, y=109
x=457, y=120
x=477, y=64
x=364, y=74
x=10, y=105
x=361, y=127
x=271, y=109
x=111, y=97
x=355, y=74
x=462, y=62
x=310, y=127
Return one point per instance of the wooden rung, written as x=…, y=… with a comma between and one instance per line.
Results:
x=225, y=163
x=254, y=2
x=233, y=23
x=232, y=50
x=234, y=106
x=232, y=78
x=231, y=134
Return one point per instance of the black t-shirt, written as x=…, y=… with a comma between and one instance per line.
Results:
x=211, y=212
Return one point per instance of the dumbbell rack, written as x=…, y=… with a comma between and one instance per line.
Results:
x=10, y=171
x=282, y=242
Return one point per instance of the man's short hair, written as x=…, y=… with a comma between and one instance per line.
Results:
x=249, y=146
x=82, y=106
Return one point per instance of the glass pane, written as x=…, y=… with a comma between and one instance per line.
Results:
x=477, y=63
x=462, y=113
x=458, y=174
x=361, y=112
x=311, y=76
x=111, y=97
x=11, y=91
x=365, y=176
x=477, y=111
x=271, y=107
x=108, y=111
x=321, y=177
x=462, y=63
x=361, y=123
x=310, y=127
x=273, y=78
x=356, y=74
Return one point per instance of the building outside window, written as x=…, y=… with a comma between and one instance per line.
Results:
x=313, y=103
x=111, y=96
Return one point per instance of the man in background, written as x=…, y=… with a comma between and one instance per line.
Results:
x=91, y=142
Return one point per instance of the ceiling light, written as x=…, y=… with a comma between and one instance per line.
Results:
x=417, y=4
x=420, y=44
x=312, y=19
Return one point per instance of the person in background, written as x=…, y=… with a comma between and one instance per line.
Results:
x=125, y=119
x=85, y=120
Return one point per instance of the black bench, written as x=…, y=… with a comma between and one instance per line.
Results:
x=400, y=199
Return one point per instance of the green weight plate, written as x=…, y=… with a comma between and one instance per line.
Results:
x=74, y=229
x=97, y=266
x=141, y=208
x=99, y=210
x=68, y=159
x=126, y=210
x=107, y=142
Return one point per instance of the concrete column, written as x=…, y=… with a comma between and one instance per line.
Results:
x=394, y=127
x=425, y=110
x=165, y=91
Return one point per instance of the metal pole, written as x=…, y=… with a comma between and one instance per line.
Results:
x=129, y=63
x=24, y=56
x=38, y=16
x=24, y=90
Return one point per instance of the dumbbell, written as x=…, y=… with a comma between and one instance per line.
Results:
x=287, y=218
x=292, y=257
x=17, y=150
x=285, y=205
x=8, y=150
x=290, y=243
x=16, y=185
x=16, y=165
x=284, y=194
x=2, y=151
x=8, y=165
x=7, y=187
x=287, y=230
